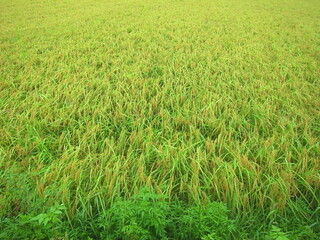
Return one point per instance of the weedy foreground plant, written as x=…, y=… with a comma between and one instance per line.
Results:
x=200, y=102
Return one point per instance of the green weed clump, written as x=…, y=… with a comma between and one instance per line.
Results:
x=147, y=216
x=144, y=216
x=26, y=226
x=201, y=102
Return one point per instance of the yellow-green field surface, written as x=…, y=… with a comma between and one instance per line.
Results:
x=202, y=106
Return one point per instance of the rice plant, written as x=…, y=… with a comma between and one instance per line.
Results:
x=197, y=101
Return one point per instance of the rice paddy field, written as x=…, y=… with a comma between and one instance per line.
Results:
x=129, y=119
